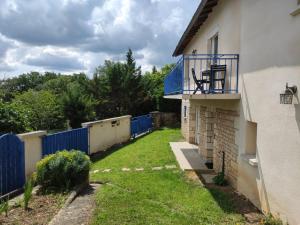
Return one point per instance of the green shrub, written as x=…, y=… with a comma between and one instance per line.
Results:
x=27, y=193
x=220, y=179
x=270, y=220
x=63, y=169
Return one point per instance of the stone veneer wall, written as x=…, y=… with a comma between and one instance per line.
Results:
x=207, y=120
x=192, y=123
x=188, y=123
x=225, y=133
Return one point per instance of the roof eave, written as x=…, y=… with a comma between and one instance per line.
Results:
x=201, y=14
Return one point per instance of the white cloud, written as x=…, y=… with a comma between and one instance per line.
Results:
x=72, y=35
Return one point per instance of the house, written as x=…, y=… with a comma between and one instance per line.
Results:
x=237, y=77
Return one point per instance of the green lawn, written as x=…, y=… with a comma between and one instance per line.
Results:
x=155, y=197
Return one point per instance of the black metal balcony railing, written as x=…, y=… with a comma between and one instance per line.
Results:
x=203, y=74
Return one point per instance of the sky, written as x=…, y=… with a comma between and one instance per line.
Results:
x=70, y=36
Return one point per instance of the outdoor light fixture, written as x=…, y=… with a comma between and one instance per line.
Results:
x=287, y=96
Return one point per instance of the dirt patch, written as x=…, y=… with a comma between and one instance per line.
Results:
x=240, y=204
x=42, y=208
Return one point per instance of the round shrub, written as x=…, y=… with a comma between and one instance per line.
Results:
x=64, y=169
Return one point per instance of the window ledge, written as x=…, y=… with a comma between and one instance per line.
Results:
x=295, y=12
x=250, y=159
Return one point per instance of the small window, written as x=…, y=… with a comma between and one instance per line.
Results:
x=184, y=111
x=251, y=138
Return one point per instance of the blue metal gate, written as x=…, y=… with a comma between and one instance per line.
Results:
x=74, y=139
x=12, y=163
x=141, y=124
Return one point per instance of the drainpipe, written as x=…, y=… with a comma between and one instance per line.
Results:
x=223, y=162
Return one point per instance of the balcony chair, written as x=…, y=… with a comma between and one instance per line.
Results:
x=221, y=71
x=200, y=82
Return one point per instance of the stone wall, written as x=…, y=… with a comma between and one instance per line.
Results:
x=161, y=119
x=188, y=122
x=225, y=133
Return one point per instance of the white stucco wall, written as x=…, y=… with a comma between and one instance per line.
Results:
x=270, y=53
x=267, y=37
x=224, y=20
x=105, y=133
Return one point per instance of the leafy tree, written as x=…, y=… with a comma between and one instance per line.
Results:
x=17, y=85
x=58, y=84
x=154, y=86
x=12, y=120
x=41, y=108
x=77, y=106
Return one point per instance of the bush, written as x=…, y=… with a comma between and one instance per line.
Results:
x=220, y=179
x=63, y=169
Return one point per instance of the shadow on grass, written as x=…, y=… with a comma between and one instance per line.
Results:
x=103, y=154
x=230, y=201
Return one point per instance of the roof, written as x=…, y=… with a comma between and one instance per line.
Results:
x=200, y=16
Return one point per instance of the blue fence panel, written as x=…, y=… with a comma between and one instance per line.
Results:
x=67, y=140
x=173, y=83
x=12, y=163
x=141, y=124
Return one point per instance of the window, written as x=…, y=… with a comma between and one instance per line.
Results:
x=213, y=46
x=251, y=138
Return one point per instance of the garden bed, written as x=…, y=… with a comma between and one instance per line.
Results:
x=42, y=208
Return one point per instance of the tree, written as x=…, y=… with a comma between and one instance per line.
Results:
x=154, y=86
x=77, y=106
x=24, y=82
x=12, y=120
x=57, y=85
x=41, y=108
x=134, y=94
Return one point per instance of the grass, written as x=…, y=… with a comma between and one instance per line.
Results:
x=155, y=197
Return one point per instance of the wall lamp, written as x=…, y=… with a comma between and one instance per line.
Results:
x=287, y=96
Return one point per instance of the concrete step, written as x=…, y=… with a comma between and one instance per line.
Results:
x=188, y=157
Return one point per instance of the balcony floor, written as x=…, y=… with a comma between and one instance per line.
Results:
x=235, y=96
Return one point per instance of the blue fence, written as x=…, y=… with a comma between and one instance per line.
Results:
x=12, y=163
x=73, y=139
x=174, y=80
x=141, y=124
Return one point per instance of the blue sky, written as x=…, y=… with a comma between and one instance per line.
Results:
x=77, y=35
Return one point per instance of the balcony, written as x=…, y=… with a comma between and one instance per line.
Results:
x=204, y=76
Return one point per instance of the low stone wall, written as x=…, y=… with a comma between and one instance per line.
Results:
x=161, y=119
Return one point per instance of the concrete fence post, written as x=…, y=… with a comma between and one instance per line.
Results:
x=33, y=149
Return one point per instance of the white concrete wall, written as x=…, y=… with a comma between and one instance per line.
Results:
x=270, y=53
x=105, y=133
x=33, y=149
